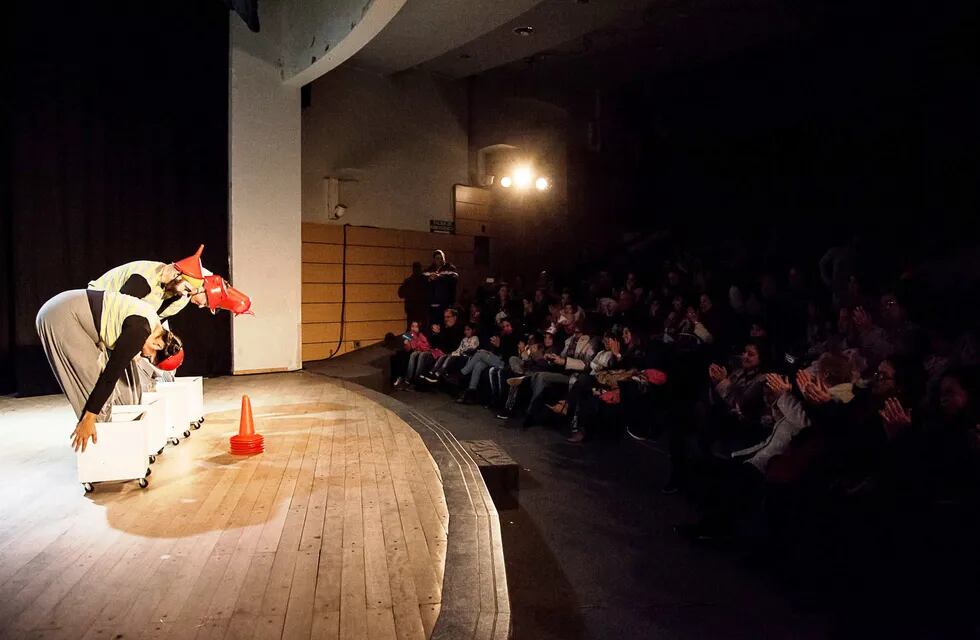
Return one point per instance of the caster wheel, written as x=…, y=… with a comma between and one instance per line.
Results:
x=148, y=472
x=88, y=487
x=143, y=483
x=187, y=434
x=153, y=459
x=174, y=441
x=160, y=451
x=195, y=425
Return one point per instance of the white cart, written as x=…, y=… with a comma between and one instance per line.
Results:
x=155, y=415
x=172, y=401
x=121, y=452
x=190, y=403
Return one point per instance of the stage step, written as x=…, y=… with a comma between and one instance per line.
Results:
x=500, y=472
x=475, y=599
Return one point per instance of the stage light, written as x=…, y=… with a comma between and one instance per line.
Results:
x=542, y=184
x=506, y=182
x=523, y=177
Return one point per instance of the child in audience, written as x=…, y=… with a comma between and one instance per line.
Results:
x=416, y=344
x=448, y=363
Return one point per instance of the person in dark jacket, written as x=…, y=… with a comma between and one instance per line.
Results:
x=414, y=290
x=502, y=346
x=442, y=278
x=443, y=338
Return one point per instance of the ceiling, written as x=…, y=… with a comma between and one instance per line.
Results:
x=458, y=39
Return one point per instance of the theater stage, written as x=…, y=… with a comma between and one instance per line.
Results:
x=362, y=519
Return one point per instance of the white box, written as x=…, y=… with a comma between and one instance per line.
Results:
x=120, y=453
x=172, y=401
x=195, y=398
x=190, y=403
x=155, y=416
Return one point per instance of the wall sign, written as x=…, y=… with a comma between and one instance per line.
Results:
x=442, y=226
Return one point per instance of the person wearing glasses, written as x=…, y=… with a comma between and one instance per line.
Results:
x=168, y=288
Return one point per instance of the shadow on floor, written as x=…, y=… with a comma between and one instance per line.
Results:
x=543, y=602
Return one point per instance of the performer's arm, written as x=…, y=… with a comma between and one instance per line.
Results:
x=135, y=331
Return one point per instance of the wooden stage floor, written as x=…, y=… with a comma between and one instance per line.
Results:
x=339, y=530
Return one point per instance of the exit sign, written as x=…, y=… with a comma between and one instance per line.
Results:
x=442, y=226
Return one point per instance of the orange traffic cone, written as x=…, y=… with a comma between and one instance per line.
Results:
x=247, y=441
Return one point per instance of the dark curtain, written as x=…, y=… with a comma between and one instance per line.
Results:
x=118, y=151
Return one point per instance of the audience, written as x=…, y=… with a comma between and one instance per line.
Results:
x=824, y=418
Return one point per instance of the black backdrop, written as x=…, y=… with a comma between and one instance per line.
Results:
x=118, y=151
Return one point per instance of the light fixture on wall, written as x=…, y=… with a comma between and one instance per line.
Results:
x=523, y=177
x=334, y=207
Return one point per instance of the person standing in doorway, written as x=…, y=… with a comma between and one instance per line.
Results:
x=414, y=290
x=442, y=277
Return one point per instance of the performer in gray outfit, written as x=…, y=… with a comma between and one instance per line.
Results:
x=91, y=339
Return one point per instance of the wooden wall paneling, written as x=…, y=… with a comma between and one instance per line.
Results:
x=356, y=311
x=377, y=262
x=475, y=195
x=374, y=255
x=366, y=330
x=313, y=232
x=374, y=237
x=321, y=273
x=322, y=253
x=375, y=274
x=316, y=292
x=472, y=211
x=322, y=350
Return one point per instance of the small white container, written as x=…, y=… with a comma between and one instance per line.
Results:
x=155, y=417
x=190, y=403
x=172, y=401
x=121, y=452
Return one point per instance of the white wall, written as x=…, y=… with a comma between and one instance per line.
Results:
x=264, y=199
x=402, y=138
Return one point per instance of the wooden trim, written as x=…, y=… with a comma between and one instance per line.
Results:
x=250, y=372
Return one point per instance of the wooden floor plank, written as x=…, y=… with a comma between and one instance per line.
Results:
x=353, y=604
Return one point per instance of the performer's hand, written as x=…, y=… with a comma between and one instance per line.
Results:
x=84, y=430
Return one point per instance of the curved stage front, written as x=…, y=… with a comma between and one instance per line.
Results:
x=363, y=519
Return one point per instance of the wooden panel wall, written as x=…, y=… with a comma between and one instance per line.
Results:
x=377, y=262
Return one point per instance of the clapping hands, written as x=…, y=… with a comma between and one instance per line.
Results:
x=778, y=384
x=717, y=373
x=814, y=391
x=862, y=320
x=894, y=416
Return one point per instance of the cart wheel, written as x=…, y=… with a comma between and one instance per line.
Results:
x=148, y=472
x=153, y=459
x=200, y=420
x=143, y=483
x=88, y=487
x=187, y=434
x=174, y=441
x=195, y=425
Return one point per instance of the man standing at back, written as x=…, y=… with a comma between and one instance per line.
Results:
x=442, y=277
x=414, y=290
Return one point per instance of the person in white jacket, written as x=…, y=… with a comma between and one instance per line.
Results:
x=580, y=349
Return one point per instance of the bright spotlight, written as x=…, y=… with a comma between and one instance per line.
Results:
x=542, y=184
x=523, y=178
x=506, y=182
